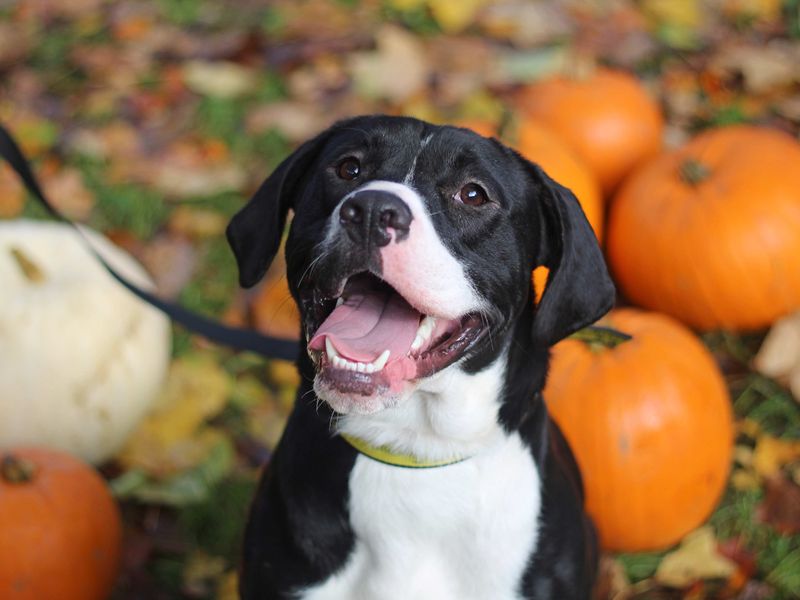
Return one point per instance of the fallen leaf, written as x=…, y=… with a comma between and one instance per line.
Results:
x=171, y=260
x=779, y=355
x=186, y=170
x=197, y=223
x=695, y=559
x=201, y=573
x=612, y=582
x=764, y=10
x=781, y=505
x=772, y=453
x=526, y=24
x=454, y=16
x=396, y=70
x=219, y=79
x=67, y=192
x=296, y=121
x=173, y=438
x=763, y=67
x=228, y=588
x=12, y=194
x=14, y=44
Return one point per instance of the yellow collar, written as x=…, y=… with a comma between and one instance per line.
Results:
x=387, y=456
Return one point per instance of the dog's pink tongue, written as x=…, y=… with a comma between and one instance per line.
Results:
x=368, y=323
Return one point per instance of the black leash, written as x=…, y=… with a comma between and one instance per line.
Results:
x=243, y=339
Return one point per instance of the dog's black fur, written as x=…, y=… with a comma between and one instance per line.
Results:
x=299, y=532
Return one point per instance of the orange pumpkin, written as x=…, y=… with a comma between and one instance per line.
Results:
x=650, y=423
x=536, y=143
x=61, y=528
x=480, y=126
x=710, y=233
x=540, y=145
x=607, y=118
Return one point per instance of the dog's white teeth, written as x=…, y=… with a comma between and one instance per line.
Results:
x=342, y=363
x=339, y=301
x=423, y=332
x=332, y=353
x=380, y=362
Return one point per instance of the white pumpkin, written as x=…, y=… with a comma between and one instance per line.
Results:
x=82, y=359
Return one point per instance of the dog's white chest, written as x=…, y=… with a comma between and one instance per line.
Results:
x=462, y=532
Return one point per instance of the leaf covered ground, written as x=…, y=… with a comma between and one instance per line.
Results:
x=152, y=121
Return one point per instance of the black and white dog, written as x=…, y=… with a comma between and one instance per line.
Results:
x=410, y=257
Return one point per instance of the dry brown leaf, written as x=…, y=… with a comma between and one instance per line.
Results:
x=67, y=192
x=171, y=260
x=763, y=67
x=781, y=505
x=196, y=223
x=12, y=194
x=396, y=70
x=695, y=559
x=219, y=79
x=612, y=582
x=525, y=23
x=297, y=121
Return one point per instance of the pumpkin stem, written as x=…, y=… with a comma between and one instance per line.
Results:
x=16, y=470
x=30, y=269
x=694, y=172
x=597, y=336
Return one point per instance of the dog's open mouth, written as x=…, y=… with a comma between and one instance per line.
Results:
x=373, y=339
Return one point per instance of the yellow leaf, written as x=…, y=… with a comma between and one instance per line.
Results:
x=772, y=453
x=406, y=5
x=744, y=480
x=673, y=13
x=173, y=437
x=695, y=559
x=228, y=588
x=455, y=15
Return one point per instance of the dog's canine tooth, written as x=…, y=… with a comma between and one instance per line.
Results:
x=339, y=301
x=369, y=368
x=338, y=362
x=330, y=349
x=380, y=362
x=424, y=332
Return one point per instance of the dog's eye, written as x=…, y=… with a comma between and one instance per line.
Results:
x=472, y=195
x=349, y=168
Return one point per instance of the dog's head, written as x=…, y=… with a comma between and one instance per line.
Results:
x=411, y=249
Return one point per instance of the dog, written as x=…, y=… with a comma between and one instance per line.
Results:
x=419, y=461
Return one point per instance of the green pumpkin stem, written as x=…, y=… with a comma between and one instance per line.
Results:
x=16, y=470
x=599, y=337
x=30, y=269
x=693, y=172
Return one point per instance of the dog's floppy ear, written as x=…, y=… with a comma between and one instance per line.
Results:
x=579, y=289
x=255, y=232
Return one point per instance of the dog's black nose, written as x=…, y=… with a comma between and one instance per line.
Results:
x=367, y=217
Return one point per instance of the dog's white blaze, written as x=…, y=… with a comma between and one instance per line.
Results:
x=420, y=266
x=461, y=532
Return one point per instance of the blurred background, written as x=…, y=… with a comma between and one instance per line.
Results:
x=151, y=121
